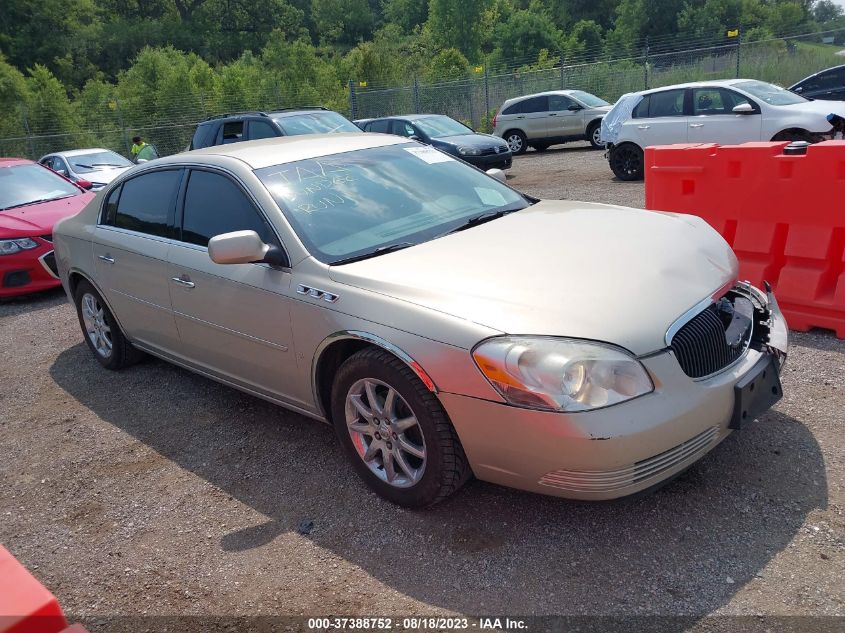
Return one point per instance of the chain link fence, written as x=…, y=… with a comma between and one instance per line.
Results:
x=169, y=123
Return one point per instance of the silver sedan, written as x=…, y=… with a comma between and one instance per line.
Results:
x=445, y=324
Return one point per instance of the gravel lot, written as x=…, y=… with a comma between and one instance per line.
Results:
x=156, y=491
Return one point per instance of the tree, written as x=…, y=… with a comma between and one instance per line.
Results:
x=447, y=64
x=785, y=18
x=342, y=21
x=585, y=42
x=826, y=10
x=524, y=35
x=457, y=24
x=406, y=13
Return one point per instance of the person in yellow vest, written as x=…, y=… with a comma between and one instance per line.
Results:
x=137, y=145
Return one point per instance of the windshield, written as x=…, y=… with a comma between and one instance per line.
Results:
x=771, y=94
x=25, y=184
x=438, y=126
x=318, y=122
x=96, y=161
x=350, y=204
x=588, y=100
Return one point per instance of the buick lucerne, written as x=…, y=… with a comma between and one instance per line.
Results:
x=445, y=324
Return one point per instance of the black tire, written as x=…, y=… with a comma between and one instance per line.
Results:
x=793, y=135
x=445, y=468
x=540, y=147
x=516, y=141
x=626, y=161
x=591, y=135
x=122, y=353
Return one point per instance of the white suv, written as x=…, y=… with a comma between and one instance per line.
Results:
x=548, y=118
x=725, y=112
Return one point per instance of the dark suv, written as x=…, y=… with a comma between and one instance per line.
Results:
x=249, y=126
x=827, y=85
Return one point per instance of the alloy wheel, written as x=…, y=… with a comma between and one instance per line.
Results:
x=515, y=142
x=597, y=136
x=98, y=330
x=385, y=432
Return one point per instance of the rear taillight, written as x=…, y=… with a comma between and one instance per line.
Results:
x=494, y=119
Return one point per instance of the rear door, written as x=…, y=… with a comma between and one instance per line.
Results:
x=130, y=246
x=234, y=319
x=713, y=119
x=660, y=119
x=531, y=116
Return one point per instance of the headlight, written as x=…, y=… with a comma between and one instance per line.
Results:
x=10, y=247
x=469, y=151
x=560, y=374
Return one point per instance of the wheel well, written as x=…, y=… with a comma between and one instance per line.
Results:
x=513, y=129
x=73, y=281
x=594, y=122
x=327, y=365
x=791, y=130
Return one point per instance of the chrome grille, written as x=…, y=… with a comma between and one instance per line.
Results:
x=646, y=470
x=701, y=346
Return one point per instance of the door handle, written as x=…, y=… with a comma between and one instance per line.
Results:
x=520, y=117
x=643, y=127
x=552, y=113
x=107, y=258
x=184, y=281
x=696, y=124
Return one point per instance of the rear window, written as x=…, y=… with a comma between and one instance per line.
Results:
x=199, y=136
x=318, y=122
x=379, y=126
x=527, y=106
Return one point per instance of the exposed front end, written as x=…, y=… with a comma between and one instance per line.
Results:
x=719, y=370
x=27, y=265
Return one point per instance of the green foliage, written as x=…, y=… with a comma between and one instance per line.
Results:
x=456, y=24
x=342, y=21
x=406, y=14
x=523, y=36
x=447, y=64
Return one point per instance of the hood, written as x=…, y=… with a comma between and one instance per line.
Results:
x=104, y=176
x=563, y=269
x=600, y=109
x=39, y=219
x=479, y=141
x=816, y=109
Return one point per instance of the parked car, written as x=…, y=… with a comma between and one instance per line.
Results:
x=96, y=166
x=548, y=118
x=444, y=323
x=32, y=200
x=249, y=126
x=446, y=134
x=827, y=85
x=726, y=112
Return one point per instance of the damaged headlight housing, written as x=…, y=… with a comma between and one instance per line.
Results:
x=559, y=374
x=10, y=247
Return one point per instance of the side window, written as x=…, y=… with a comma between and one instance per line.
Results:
x=641, y=111
x=110, y=208
x=215, y=205
x=379, y=126
x=260, y=129
x=516, y=108
x=403, y=128
x=669, y=103
x=535, y=104
x=233, y=131
x=732, y=99
x=833, y=79
x=558, y=103
x=146, y=203
x=709, y=101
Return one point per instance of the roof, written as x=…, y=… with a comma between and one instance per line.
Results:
x=696, y=84
x=542, y=94
x=14, y=162
x=287, y=149
x=79, y=152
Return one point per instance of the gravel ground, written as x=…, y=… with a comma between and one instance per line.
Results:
x=156, y=491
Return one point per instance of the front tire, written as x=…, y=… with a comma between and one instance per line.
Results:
x=594, y=135
x=626, y=161
x=395, y=432
x=101, y=331
x=516, y=141
x=793, y=135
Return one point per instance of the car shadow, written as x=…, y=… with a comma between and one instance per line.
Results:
x=35, y=302
x=684, y=550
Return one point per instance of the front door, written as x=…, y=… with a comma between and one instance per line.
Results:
x=234, y=319
x=714, y=121
x=563, y=121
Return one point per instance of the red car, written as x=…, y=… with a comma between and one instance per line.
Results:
x=32, y=200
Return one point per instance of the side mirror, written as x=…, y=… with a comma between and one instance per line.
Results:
x=498, y=174
x=744, y=108
x=574, y=107
x=799, y=90
x=244, y=247
x=85, y=184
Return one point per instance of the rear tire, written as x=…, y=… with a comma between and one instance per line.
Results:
x=516, y=141
x=101, y=331
x=626, y=161
x=594, y=135
x=395, y=432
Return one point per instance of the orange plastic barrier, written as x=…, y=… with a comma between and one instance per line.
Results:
x=783, y=215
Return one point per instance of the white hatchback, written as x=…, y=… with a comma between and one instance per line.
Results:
x=725, y=112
